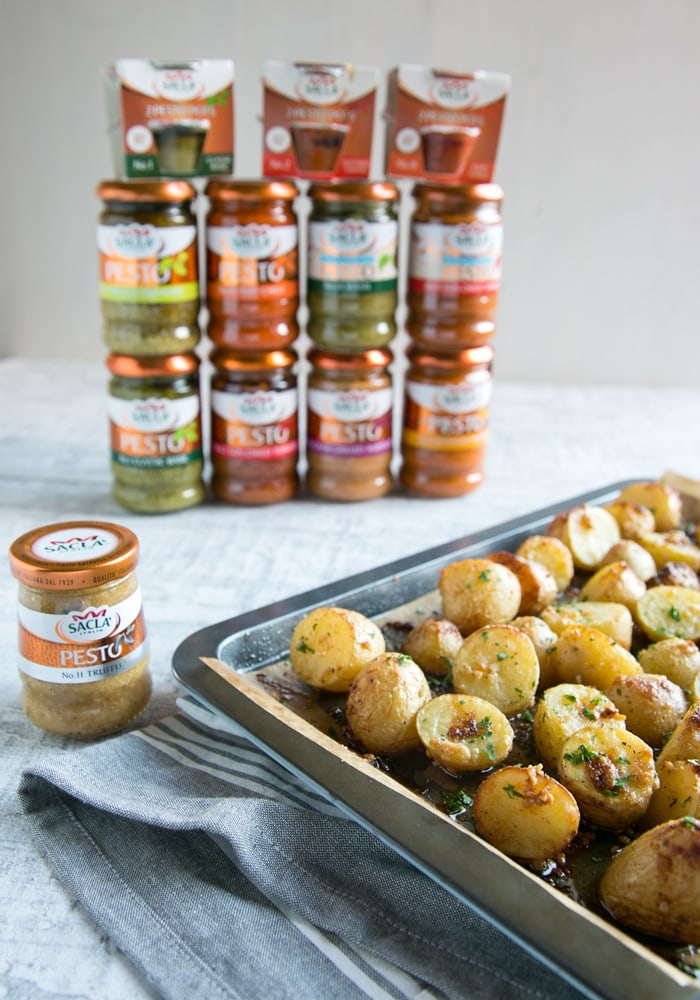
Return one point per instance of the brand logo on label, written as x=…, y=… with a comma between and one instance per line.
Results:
x=89, y=625
x=460, y=398
x=252, y=241
x=136, y=241
x=470, y=237
x=320, y=88
x=352, y=405
x=177, y=84
x=350, y=236
x=453, y=92
x=152, y=414
x=258, y=407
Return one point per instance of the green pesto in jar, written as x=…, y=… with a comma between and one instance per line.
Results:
x=148, y=267
x=352, y=275
x=156, y=436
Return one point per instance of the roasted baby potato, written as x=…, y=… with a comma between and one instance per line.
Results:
x=551, y=553
x=462, y=733
x=525, y=813
x=662, y=500
x=675, y=574
x=652, y=705
x=538, y=588
x=564, y=709
x=330, y=645
x=671, y=547
x=433, y=644
x=616, y=582
x=678, y=793
x=610, y=772
x=653, y=884
x=677, y=659
x=666, y=611
x=636, y=557
x=499, y=664
x=545, y=642
x=383, y=701
x=588, y=656
x=613, y=619
x=684, y=741
x=633, y=519
x=478, y=592
x=588, y=532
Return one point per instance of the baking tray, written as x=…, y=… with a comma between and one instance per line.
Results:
x=586, y=950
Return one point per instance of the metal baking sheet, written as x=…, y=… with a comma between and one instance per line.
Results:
x=598, y=958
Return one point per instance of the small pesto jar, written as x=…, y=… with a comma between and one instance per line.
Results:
x=148, y=267
x=352, y=275
x=83, y=651
x=154, y=411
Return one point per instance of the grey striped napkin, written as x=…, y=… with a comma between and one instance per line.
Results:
x=219, y=874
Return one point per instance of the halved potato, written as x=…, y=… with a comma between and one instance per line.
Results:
x=671, y=546
x=616, y=582
x=383, y=702
x=651, y=703
x=611, y=773
x=684, y=741
x=677, y=659
x=499, y=664
x=588, y=656
x=667, y=611
x=613, y=619
x=631, y=552
x=329, y=646
x=433, y=644
x=662, y=500
x=545, y=642
x=633, y=519
x=538, y=588
x=653, y=884
x=551, y=553
x=562, y=710
x=463, y=733
x=478, y=592
x=587, y=531
x=525, y=813
x=678, y=793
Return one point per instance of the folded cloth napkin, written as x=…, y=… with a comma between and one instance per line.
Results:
x=221, y=875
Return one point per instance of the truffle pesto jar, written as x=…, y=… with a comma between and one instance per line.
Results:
x=154, y=411
x=148, y=267
x=352, y=275
x=83, y=651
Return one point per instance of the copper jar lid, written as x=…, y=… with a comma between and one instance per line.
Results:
x=74, y=555
x=126, y=366
x=233, y=361
x=146, y=192
x=252, y=190
x=339, y=191
x=468, y=357
x=450, y=193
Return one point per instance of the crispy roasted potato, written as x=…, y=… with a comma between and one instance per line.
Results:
x=478, y=592
x=433, y=644
x=633, y=519
x=499, y=664
x=666, y=611
x=677, y=659
x=636, y=557
x=525, y=813
x=545, y=642
x=613, y=619
x=383, y=702
x=562, y=710
x=653, y=884
x=662, y=500
x=586, y=655
x=678, y=793
x=670, y=547
x=588, y=532
x=651, y=703
x=684, y=741
x=463, y=733
x=675, y=574
x=330, y=645
x=616, y=582
x=538, y=588
x=551, y=553
x=610, y=772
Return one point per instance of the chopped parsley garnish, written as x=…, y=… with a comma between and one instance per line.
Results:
x=512, y=792
x=584, y=755
x=456, y=802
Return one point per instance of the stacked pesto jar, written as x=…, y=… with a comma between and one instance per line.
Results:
x=150, y=303
x=352, y=296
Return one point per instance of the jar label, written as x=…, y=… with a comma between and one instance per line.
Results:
x=450, y=416
x=254, y=426
x=148, y=264
x=350, y=423
x=455, y=260
x=79, y=647
x=353, y=256
x=155, y=433
x=75, y=544
x=254, y=262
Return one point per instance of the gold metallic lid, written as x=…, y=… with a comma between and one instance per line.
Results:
x=74, y=555
x=146, y=192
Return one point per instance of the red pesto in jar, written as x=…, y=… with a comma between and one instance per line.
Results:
x=445, y=420
x=254, y=432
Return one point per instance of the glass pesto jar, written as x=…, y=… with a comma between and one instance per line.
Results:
x=349, y=425
x=352, y=264
x=445, y=420
x=254, y=426
x=252, y=264
x=154, y=412
x=454, y=268
x=148, y=267
x=83, y=651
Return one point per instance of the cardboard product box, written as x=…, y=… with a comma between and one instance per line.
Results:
x=171, y=118
x=318, y=119
x=444, y=125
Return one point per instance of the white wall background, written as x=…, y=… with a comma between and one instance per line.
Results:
x=599, y=158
